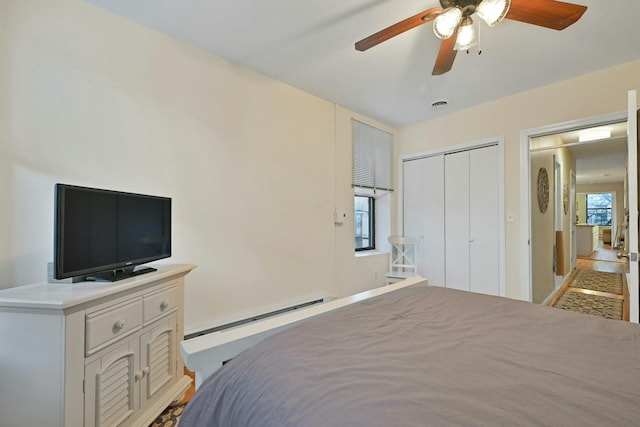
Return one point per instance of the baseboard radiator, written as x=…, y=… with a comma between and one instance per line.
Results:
x=251, y=319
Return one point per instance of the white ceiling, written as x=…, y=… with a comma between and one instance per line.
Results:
x=309, y=44
x=601, y=162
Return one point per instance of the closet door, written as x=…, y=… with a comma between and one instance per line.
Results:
x=456, y=168
x=452, y=200
x=423, y=214
x=472, y=221
x=484, y=247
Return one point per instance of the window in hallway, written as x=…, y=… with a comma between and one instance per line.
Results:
x=599, y=208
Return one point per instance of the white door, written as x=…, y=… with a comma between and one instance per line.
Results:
x=484, y=216
x=632, y=170
x=111, y=390
x=452, y=201
x=472, y=250
x=423, y=213
x=457, y=233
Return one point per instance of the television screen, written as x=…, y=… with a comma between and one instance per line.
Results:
x=98, y=231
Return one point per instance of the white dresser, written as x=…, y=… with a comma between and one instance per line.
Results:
x=92, y=354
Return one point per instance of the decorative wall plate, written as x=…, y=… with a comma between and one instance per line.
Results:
x=543, y=190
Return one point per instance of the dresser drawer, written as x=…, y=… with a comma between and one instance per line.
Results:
x=160, y=303
x=112, y=323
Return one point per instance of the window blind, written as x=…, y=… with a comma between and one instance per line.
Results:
x=372, y=157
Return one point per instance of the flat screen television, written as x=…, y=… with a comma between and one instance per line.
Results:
x=104, y=234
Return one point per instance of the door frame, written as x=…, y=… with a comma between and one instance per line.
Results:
x=525, y=184
x=573, y=263
x=632, y=207
x=497, y=140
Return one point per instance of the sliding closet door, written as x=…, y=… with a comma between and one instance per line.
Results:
x=456, y=168
x=423, y=213
x=484, y=249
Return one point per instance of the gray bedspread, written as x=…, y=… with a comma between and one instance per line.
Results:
x=427, y=356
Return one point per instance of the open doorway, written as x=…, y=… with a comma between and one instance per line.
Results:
x=565, y=166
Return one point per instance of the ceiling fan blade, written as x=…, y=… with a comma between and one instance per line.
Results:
x=552, y=14
x=398, y=28
x=446, y=56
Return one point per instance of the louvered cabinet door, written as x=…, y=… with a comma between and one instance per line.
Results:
x=111, y=394
x=158, y=359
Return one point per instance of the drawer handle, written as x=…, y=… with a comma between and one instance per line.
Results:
x=119, y=325
x=164, y=305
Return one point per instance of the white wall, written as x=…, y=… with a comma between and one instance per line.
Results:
x=89, y=98
x=590, y=95
x=255, y=167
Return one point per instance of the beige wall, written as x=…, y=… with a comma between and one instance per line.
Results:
x=568, y=163
x=545, y=246
x=581, y=208
x=255, y=167
x=542, y=230
x=590, y=95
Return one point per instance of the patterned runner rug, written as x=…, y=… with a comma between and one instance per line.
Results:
x=598, y=281
x=609, y=308
x=170, y=416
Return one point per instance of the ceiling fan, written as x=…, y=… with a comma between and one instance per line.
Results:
x=453, y=22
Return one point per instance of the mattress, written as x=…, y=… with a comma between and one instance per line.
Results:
x=431, y=356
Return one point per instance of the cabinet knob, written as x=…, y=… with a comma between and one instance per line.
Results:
x=140, y=374
x=164, y=305
x=119, y=325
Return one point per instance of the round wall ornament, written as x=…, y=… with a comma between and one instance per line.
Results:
x=543, y=190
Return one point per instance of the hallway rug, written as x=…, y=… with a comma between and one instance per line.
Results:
x=598, y=281
x=170, y=417
x=609, y=308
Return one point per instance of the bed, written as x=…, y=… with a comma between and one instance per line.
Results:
x=426, y=355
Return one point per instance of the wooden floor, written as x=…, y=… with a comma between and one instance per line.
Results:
x=605, y=259
x=192, y=389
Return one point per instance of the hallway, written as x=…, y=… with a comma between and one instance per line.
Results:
x=597, y=297
x=604, y=259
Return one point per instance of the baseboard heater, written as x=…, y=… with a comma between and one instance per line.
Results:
x=255, y=318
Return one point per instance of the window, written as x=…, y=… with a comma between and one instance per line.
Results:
x=372, y=157
x=372, y=180
x=599, y=208
x=364, y=223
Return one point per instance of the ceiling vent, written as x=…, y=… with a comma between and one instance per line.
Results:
x=440, y=104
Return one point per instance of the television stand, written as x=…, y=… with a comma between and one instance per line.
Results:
x=119, y=274
x=92, y=355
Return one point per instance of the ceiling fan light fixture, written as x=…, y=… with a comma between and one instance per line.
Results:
x=446, y=23
x=466, y=35
x=493, y=11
